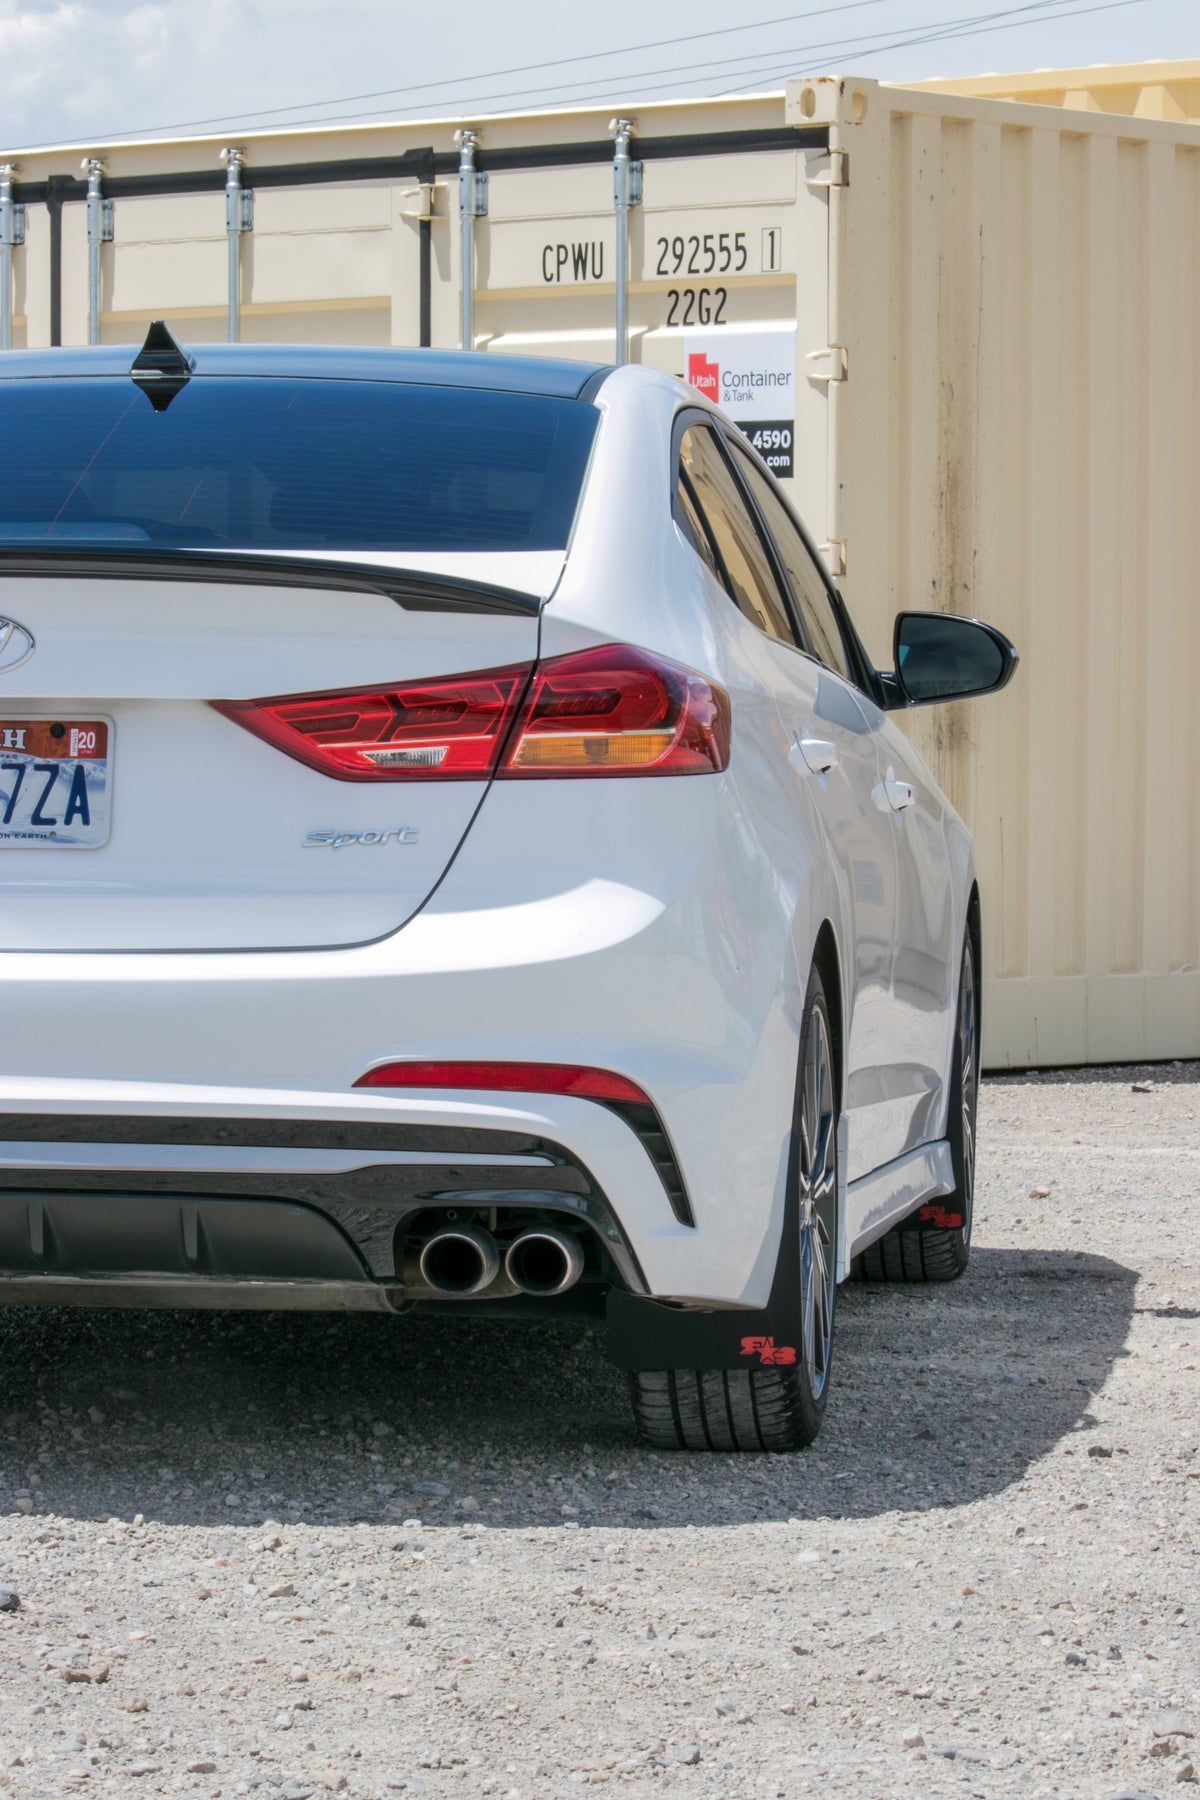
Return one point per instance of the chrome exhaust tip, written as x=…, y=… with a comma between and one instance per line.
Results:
x=460, y=1259
x=544, y=1261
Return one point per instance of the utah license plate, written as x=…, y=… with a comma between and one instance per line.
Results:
x=55, y=783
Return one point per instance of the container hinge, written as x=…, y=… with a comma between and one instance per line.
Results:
x=105, y=223
x=416, y=202
x=476, y=194
x=12, y=224
x=834, y=552
x=830, y=364
x=628, y=186
x=832, y=170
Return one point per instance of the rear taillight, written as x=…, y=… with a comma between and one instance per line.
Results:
x=454, y=728
x=509, y=1078
x=619, y=711
x=611, y=711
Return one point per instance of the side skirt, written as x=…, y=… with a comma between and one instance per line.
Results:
x=876, y=1202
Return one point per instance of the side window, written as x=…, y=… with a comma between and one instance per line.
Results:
x=808, y=585
x=694, y=528
x=749, y=576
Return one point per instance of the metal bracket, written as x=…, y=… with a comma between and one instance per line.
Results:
x=105, y=221
x=627, y=184
x=830, y=364
x=834, y=553
x=246, y=217
x=416, y=202
x=833, y=171
x=12, y=224
x=478, y=196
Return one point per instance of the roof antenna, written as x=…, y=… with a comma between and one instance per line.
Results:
x=161, y=368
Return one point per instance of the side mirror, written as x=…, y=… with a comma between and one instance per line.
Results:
x=940, y=656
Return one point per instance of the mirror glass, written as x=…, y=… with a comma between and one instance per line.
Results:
x=940, y=657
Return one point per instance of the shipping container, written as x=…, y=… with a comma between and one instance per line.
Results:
x=964, y=330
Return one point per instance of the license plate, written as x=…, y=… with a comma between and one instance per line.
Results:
x=54, y=783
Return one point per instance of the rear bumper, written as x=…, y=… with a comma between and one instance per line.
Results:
x=681, y=976
x=264, y=1213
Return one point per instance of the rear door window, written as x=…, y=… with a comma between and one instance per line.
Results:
x=745, y=564
x=811, y=595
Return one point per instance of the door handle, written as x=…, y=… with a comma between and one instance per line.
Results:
x=899, y=793
x=813, y=754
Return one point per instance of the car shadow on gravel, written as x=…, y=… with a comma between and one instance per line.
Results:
x=942, y=1395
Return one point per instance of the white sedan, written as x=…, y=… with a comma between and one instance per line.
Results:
x=456, y=854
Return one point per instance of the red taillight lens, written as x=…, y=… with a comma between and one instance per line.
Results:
x=454, y=727
x=611, y=711
x=509, y=1078
x=619, y=711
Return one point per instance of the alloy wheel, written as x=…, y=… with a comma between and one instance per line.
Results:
x=818, y=1201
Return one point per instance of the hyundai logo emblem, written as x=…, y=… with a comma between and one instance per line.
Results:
x=16, y=645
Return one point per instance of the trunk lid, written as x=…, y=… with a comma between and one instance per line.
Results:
x=210, y=827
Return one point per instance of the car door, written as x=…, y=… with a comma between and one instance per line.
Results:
x=928, y=936
x=907, y=1105
x=830, y=740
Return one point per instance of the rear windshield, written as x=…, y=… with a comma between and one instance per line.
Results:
x=271, y=464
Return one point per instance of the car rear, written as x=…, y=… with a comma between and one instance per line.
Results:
x=358, y=933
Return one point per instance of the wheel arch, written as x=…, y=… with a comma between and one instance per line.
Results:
x=975, y=932
x=828, y=962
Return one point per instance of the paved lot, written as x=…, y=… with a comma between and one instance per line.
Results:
x=299, y=1556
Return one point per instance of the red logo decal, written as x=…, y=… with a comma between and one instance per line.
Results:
x=705, y=375
x=937, y=1215
x=768, y=1352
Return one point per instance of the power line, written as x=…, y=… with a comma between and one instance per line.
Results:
x=936, y=37
x=557, y=62
x=836, y=44
x=632, y=86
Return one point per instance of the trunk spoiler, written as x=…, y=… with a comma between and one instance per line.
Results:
x=414, y=590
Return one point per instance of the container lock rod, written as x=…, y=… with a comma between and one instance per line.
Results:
x=627, y=192
x=239, y=217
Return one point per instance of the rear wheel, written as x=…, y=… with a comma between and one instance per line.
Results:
x=937, y=1247
x=780, y=1406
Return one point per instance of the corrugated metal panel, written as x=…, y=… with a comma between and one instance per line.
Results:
x=1152, y=90
x=1019, y=439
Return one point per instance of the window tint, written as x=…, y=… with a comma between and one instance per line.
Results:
x=251, y=463
x=808, y=585
x=751, y=579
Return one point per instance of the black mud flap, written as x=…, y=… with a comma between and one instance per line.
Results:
x=646, y=1333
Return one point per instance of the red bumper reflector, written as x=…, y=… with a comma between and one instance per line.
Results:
x=509, y=1078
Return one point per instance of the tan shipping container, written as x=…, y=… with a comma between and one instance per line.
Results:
x=977, y=325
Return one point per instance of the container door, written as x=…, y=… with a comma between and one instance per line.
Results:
x=728, y=259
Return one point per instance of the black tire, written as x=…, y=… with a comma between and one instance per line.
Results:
x=775, y=1408
x=922, y=1249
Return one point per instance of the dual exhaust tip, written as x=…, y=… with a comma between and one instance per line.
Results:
x=462, y=1260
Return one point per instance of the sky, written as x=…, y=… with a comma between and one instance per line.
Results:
x=92, y=71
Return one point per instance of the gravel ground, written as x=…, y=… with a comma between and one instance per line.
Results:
x=294, y=1556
